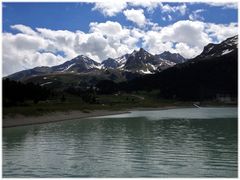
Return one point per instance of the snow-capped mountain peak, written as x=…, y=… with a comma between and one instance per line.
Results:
x=122, y=59
x=138, y=62
x=80, y=63
x=223, y=48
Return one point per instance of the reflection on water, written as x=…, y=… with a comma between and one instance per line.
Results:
x=184, y=113
x=125, y=147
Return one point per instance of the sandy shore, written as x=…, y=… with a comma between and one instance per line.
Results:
x=20, y=120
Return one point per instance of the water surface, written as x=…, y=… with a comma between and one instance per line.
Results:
x=187, y=142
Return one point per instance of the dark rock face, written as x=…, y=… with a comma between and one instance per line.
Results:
x=173, y=57
x=216, y=50
x=110, y=63
x=141, y=62
x=146, y=63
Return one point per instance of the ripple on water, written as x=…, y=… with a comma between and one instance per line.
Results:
x=126, y=146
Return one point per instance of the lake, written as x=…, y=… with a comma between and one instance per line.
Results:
x=187, y=142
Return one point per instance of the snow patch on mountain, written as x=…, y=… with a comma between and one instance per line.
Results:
x=146, y=71
x=216, y=50
x=226, y=51
x=232, y=41
x=43, y=84
x=68, y=67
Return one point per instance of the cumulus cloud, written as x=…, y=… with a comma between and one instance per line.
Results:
x=107, y=28
x=24, y=29
x=22, y=51
x=116, y=36
x=189, y=32
x=136, y=16
x=110, y=8
x=45, y=47
x=187, y=51
x=94, y=46
x=154, y=44
x=166, y=8
x=150, y=5
x=189, y=37
x=58, y=40
x=221, y=31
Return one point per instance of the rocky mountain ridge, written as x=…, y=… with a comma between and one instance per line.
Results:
x=141, y=62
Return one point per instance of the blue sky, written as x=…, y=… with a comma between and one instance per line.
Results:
x=77, y=16
x=51, y=33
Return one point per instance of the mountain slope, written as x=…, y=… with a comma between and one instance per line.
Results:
x=78, y=64
x=173, y=57
x=143, y=62
x=203, y=77
x=127, y=66
x=216, y=50
x=110, y=63
x=140, y=62
x=30, y=72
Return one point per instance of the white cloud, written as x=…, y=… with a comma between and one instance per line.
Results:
x=189, y=32
x=21, y=51
x=25, y=42
x=110, y=8
x=189, y=37
x=150, y=5
x=24, y=29
x=195, y=15
x=166, y=8
x=154, y=44
x=221, y=31
x=186, y=51
x=224, y=5
x=107, y=28
x=41, y=47
x=117, y=37
x=136, y=16
x=95, y=45
x=58, y=40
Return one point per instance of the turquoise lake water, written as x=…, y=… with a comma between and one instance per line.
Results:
x=188, y=142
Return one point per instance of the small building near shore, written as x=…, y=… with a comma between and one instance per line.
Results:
x=226, y=98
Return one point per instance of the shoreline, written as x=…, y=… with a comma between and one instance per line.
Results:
x=20, y=120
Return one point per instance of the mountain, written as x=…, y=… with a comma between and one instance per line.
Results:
x=213, y=71
x=110, y=63
x=140, y=62
x=173, y=57
x=143, y=62
x=211, y=74
x=77, y=65
x=217, y=50
x=122, y=60
x=30, y=72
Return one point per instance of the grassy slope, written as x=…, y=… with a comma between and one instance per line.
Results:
x=106, y=102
